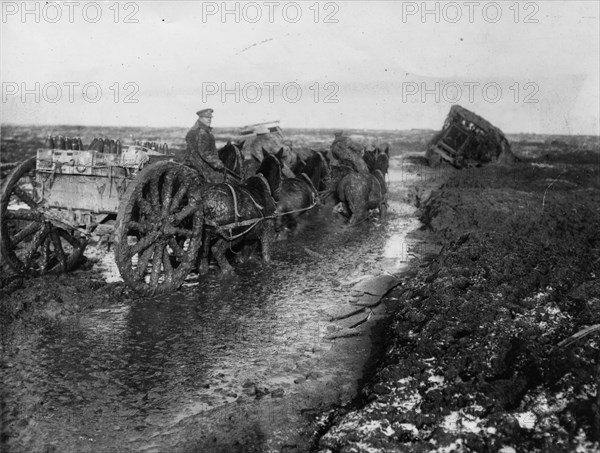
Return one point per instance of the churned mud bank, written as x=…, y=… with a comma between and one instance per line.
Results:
x=476, y=357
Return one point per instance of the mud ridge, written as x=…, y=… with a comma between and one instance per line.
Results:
x=473, y=362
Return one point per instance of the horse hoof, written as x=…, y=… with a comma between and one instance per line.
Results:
x=203, y=270
x=227, y=270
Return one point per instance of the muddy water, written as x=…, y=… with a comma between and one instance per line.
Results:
x=237, y=363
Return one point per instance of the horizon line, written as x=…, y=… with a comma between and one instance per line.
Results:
x=289, y=127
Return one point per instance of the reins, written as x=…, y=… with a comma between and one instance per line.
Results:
x=218, y=170
x=221, y=229
x=226, y=231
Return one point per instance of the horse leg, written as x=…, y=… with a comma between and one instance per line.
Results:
x=218, y=250
x=353, y=219
x=294, y=223
x=290, y=222
x=204, y=258
x=359, y=211
x=377, y=198
x=280, y=220
x=353, y=212
x=382, y=211
x=246, y=252
x=266, y=237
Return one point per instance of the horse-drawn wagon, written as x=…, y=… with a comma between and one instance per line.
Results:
x=51, y=204
x=162, y=217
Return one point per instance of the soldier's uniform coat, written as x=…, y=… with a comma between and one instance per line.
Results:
x=201, y=144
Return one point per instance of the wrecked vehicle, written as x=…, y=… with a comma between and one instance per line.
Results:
x=255, y=137
x=468, y=140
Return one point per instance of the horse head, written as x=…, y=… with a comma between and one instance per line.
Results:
x=232, y=157
x=382, y=163
x=325, y=170
x=265, y=153
x=370, y=158
x=285, y=169
x=298, y=166
x=379, y=176
x=384, y=148
x=318, y=170
x=270, y=168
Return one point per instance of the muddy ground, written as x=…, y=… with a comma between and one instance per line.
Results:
x=246, y=363
x=462, y=355
x=474, y=362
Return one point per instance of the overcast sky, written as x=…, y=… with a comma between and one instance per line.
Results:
x=527, y=67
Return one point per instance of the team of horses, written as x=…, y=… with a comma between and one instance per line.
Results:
x=260, y=198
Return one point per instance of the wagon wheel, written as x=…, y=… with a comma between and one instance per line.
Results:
x=30, y=244
x=159, y=228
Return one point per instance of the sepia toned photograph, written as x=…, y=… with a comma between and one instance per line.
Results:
x=300, y=226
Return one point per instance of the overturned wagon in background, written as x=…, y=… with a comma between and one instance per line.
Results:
x=468, y=140
x=252, y=130
x=255, y=137
x=52, y=203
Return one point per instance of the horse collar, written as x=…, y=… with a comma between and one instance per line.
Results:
x=322, y=158
x=309, y=181
x=263, y=179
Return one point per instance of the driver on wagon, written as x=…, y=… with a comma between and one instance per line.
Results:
x=201, y=150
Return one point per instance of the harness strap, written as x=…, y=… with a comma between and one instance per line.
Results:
x=251, y=223
x=235, y=204
x=219, y=170
x=261, y=208
x=224, y=229
x=233, y=225
x=263, y=179
x=239, y=161
x=322, y=159
x=312, y=186
x=341, y=165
